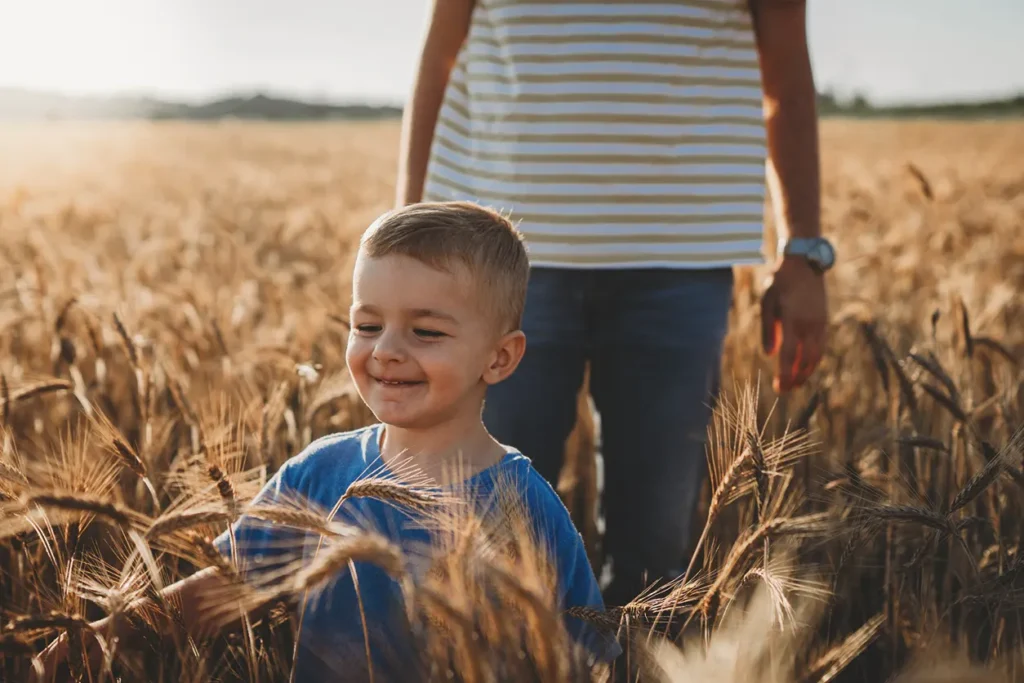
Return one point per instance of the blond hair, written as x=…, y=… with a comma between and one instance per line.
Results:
x=442, y=234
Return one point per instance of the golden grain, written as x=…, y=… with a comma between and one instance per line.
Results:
x=229, y=247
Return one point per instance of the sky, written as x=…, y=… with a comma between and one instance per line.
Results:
x=365, y=50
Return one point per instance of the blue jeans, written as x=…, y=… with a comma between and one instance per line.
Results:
x=653, y=338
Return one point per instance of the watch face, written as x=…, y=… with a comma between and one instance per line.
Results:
x=822, y=253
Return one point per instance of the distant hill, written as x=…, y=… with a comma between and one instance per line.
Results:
x=984, y=109
x=29, y=105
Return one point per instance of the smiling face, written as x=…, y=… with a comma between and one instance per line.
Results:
x=422, y=347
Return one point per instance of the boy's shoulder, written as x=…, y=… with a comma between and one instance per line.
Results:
x=541, y=501
x=331, y=457
x=578, y=585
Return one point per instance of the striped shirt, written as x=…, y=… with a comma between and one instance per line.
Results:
x=615, y=134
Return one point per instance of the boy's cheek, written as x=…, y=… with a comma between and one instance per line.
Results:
x=444, y=365
x=355, y=356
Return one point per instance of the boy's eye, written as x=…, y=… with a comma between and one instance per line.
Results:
x=367, y=329
x=429, y=334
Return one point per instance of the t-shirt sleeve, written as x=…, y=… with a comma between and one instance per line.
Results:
x=582, y=590
x=260, y=545
x=578, y=584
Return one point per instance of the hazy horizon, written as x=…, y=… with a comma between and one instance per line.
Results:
x=194, y=51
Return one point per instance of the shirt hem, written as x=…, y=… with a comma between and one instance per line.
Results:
x=668, y=265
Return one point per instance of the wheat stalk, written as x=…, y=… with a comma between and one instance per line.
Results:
x=603, y=619
x=129, y=457
x=924, y=442
x=817, y=523
x=386, y=489
x=211, y=555
x=52, y=620
x=729, y=479
x=365, y=547
x=997, y=347
x=300, y=519
x=978, y=483
x=922, y=181
x=62, y=315
x=129, y=345
x=79, y=502
x=224, y=488
x=187, y=519
x=910, y=514
x=830, y=664
x=5, y=395
x=38, y=389
x=11, y=473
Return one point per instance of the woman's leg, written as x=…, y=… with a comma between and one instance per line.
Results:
x=534, y=410
x=655, y=373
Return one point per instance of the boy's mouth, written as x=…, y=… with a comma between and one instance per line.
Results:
x=396, y=382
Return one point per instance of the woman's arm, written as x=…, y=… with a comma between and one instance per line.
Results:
x=446, y=31
x=794, y=315
x=791, y=116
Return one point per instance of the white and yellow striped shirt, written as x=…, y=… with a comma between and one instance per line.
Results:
x=615, y=134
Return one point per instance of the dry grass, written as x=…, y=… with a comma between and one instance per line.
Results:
x=172, y=305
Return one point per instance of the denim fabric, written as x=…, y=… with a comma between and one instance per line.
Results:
x=654, y=341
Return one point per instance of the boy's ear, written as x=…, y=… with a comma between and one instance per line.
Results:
x=508, y=352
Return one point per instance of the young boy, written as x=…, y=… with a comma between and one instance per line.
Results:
x=438, y=294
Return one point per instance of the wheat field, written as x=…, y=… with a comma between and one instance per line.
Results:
x=172, y=328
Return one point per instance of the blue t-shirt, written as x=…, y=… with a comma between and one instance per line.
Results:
x=332, y=637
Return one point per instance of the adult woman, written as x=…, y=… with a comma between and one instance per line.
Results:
x=628, y=140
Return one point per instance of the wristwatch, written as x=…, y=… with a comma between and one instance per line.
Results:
x=818, y=251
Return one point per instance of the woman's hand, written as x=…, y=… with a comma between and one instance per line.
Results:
x=794, y=322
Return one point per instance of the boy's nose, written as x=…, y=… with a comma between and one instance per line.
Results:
x=387, y=349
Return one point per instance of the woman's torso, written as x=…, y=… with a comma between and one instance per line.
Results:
x=617, y=134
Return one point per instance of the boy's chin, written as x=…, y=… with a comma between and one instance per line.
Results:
x=400, y=419
x=412, y=419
